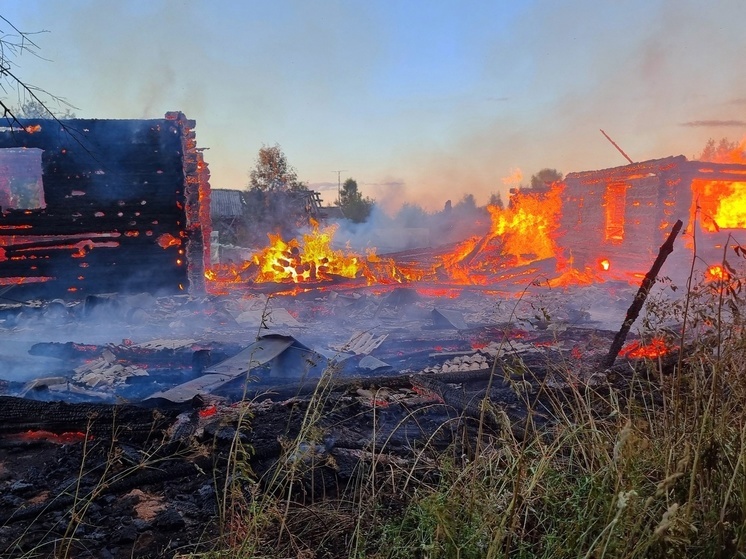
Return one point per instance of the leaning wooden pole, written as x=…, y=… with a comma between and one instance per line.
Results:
x=613, y=143
x=642, y=295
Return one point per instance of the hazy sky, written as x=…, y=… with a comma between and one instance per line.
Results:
x=419, y=101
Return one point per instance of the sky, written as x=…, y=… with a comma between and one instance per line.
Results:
x=419, y=101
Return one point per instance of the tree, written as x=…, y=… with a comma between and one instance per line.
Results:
x=496, y=200
x=722, y=152
x=467, y=204
x=544, y=178
x=33, y=108
x=349, y=192
x=353, y=205
x=273, y=172
x=412, y=215
x=14, y=43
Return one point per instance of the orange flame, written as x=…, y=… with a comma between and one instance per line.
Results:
x=168, y=240
x=716, y=273
x=605, y=264
x=310, y=259
x=527, y=226
x=520, y=234
x=656, y=347
x=722, y=204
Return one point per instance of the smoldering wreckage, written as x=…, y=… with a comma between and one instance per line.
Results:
x=132, y=363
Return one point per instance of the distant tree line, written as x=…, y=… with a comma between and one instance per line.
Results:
x=275, y=197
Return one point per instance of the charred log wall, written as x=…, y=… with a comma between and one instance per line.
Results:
x=121, y=207
x=655, y=195
x=650, y=197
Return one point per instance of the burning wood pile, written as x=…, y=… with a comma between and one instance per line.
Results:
x=592, y=227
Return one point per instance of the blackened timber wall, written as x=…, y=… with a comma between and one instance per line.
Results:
x=115, y=209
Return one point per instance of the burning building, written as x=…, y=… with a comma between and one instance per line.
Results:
x=93, y=206
x=615, y=219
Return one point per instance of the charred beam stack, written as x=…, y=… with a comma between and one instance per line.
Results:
x=92, y=206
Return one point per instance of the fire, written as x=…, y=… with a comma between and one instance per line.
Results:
x=32, y=129
x=656, y=347
x=167, y=240
x=520, y=234
x=716, y=273
x=308, y=260
x=571, y=276
x=722, y=204
x=605, y=265
x=528, y=225
x=458, y=263
x=20, y=280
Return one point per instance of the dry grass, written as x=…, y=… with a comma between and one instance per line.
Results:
x=653, y=469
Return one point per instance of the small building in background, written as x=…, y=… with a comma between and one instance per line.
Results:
x=228, y=215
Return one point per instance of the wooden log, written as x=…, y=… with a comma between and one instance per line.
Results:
x=127, y=421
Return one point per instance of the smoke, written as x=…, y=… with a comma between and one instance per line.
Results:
x=715, y=123
x=412, y=227
x=636, y=69
x=429, y=103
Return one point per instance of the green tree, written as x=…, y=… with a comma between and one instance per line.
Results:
x=354, y=206
x=544, y=178
x=272, y=172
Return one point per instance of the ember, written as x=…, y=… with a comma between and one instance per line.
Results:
x=656, y=347
x=717, y=273
x=57, y=438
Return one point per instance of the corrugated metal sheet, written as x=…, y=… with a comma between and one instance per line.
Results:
x=226, y=203
x=289, y=359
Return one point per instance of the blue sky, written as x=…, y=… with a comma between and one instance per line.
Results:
x=419, y=101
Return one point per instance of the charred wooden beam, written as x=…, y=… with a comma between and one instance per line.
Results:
x=132, y=422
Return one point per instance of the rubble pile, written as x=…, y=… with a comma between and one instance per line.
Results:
x=156, y=389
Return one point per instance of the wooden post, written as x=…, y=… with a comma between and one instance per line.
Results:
x=641, y=296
